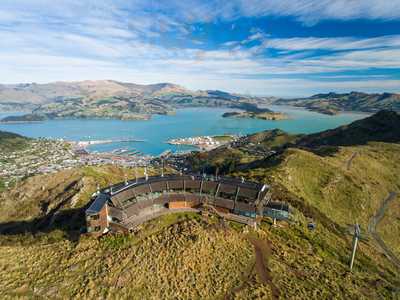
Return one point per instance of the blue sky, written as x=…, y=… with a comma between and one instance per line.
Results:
x=272, y=47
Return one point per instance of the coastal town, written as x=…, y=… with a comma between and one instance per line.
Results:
x=49, y=156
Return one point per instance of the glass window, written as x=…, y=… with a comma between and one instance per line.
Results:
x=94, y=217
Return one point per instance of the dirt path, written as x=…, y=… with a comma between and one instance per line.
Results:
x=348, y=164
x=374, y=221
x=262, y=251
x=262, y=248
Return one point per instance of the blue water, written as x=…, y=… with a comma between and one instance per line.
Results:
x=186, y=122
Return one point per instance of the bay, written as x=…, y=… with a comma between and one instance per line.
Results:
x=187, y=122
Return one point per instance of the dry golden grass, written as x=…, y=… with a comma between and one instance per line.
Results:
x=182, y=257
x=192, y=259
x=37, y=195
x=185, y=261
x=389, y=227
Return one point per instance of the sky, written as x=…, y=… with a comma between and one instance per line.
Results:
x=284, y=48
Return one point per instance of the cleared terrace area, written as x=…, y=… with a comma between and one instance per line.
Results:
x=124, y=206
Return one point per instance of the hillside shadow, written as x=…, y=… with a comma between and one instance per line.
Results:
x=70, y=221
x=383, y=126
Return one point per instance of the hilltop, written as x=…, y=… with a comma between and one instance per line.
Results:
x=113, y=99
x=185, y=256
x=43, y=253
x=333, y=103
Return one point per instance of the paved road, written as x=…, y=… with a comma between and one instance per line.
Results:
x=372, y=229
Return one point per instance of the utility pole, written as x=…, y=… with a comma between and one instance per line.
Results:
x=356, y=236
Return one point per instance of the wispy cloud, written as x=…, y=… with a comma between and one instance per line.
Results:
x=312, y=11
x=146, y=42
x=335, y=43
x=307, y=11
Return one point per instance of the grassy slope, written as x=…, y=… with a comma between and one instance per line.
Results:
x=193, y=258
x=11, y=141
x=389, y=227
x=188, y=260
x=229, y=158
x=344, y=195
x=181, y=256
x=37, y=195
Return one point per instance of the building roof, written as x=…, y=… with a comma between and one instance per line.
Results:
x=117, y=188
x=229, y=189
x=97, y=204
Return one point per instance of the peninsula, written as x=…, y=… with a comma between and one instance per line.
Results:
x=204, y=142
x=28, y=118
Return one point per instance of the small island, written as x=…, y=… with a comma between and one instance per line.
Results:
x=263, y=115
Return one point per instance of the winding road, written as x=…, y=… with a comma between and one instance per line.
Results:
x=374, y=221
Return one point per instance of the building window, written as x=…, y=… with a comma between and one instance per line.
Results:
x=97, y=228
x=226, y=196
x=94, y=217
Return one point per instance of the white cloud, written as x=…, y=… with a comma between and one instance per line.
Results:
x=75, y=40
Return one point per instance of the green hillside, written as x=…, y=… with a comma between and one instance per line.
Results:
x=11, y=141
x=383, y=126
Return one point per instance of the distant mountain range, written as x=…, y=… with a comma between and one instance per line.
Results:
x=333, y=103
x=113, y=99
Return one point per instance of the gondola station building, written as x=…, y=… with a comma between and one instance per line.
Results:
x=122, y=207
